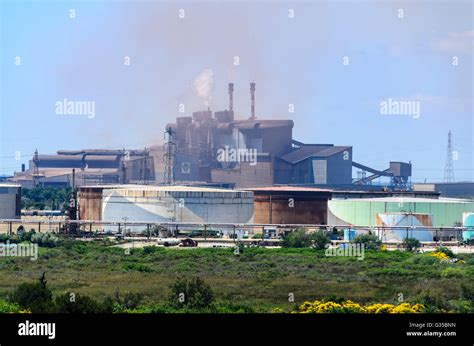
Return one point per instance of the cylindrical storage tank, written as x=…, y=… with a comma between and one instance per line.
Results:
x=10, y=201
x=89, y=200
x=468, y=221
x=185, y=204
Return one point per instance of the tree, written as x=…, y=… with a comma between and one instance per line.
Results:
x=191, y=293
x=34, y=296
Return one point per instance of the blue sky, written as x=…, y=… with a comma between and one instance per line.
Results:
x=295, y=61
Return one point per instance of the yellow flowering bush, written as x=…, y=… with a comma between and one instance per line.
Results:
x=439, y=255
x=321, y=307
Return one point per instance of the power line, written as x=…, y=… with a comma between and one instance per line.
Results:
x=449, y=170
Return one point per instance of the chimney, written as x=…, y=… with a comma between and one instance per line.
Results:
x=231, y=97
x=252, y=101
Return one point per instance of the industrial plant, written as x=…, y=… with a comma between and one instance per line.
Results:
x=215, y=148
x=214, y=168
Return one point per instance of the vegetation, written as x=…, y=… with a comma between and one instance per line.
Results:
x=36, y=296
x=297, y=239
x=45, y=198
x=348, y=306
x=192, y=293
x=301, y=239
x=370, y=241
x=254, y=280
x=411, y=244
x=320, y=239
x=44, y=239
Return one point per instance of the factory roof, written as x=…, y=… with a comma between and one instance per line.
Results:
x=307, y=151
x=289, y=189
x=56, y=172
x=407, y=200
x=177, y=188
x=9, y=185
x=262, y=124
x=247, y=124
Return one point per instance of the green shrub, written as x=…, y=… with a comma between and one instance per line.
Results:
x=191, y=293
x=320, y=239
x=139, y=267
x=424, y=259
x=119, y=304
x=467, y=292
x=460, y=306
x=411, y=244
x=77, y=304
x=297, y=239
x=26, y=236
x=9, y=308
x=150, y=249
x=452, y=273
x=45, y=239
x=4, y=238
x=234, y=308
x=34, y=296
x=434, y=303
x=370, y=241
x=131, y=300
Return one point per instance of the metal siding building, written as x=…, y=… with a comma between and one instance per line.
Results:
x=10, y=201
x=446, y=212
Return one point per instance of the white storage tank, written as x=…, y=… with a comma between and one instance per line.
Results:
x=186, y=204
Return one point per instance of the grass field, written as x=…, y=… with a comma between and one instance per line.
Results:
x=261, y=278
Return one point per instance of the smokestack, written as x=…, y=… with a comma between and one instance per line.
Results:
x=231, y=97
x=252, y=101
x=73, y=179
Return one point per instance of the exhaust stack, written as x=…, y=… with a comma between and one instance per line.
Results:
x=231, y=97
x=252, y=101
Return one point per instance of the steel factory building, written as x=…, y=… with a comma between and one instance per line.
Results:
x=215, y=148
x=253, y=152
x=92, y=166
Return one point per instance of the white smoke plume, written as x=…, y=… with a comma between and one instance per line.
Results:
x=203, y=85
